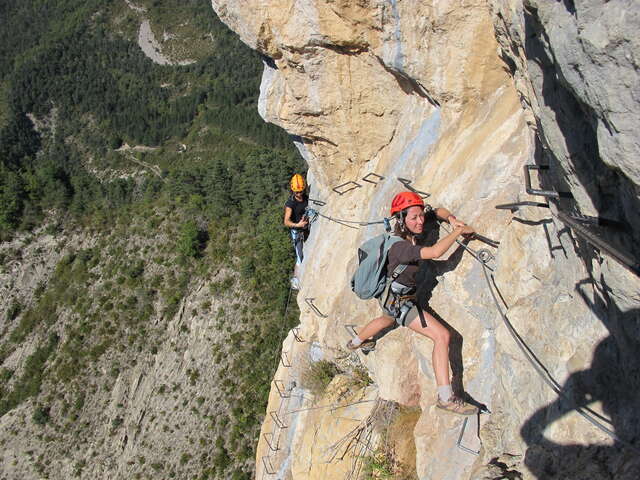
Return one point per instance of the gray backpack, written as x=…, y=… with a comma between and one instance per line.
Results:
x=370, y=278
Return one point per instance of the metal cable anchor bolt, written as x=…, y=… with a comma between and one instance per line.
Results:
x=485, y=255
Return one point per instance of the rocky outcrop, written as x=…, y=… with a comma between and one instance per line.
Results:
x=154, y=48
x=151, y=407
x=455, y=98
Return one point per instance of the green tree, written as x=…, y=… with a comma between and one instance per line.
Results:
x=189, y=241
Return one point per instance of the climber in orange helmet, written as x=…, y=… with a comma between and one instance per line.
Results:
x=409, y=209
x=296, y=220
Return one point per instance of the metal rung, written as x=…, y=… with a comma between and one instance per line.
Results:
x=407, y=183
x=542, y=193
x=515, y=206
x=351, y=329
x=266, y=439
x=281, y=389
x=366, y=178
x=487, y=240
x=266, y=461
x=320, y=203
x=309, y=301
x=340, y=189
x=459, y=442
x=352, y=332
x=534, y=191
x=277, y=420
x=284, y=359
x=296, y=334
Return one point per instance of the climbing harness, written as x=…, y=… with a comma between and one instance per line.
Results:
x=397, y=301
x=400, y=300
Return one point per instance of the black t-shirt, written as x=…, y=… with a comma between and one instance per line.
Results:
x=405, y=253
x=297, y=208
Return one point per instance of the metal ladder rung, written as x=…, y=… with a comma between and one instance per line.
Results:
x=276, y=419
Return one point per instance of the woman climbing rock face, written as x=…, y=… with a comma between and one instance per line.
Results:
x=408, y=209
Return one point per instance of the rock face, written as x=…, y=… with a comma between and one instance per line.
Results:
x=453, y=99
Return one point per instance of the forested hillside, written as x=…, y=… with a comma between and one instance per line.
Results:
x=127, y=187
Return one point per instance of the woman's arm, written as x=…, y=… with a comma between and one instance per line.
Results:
x=441, y=247
x=445, y=215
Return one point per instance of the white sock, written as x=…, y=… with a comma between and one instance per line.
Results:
x=355, y=341
x=445, y=393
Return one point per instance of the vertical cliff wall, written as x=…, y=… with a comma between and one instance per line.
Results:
x=456, y=97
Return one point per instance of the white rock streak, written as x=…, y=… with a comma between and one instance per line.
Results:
x=149, y=45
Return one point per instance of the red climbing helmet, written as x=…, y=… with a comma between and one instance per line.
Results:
x=405, y=200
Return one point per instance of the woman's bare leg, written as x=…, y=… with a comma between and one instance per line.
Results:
x=440, y=336
x=374, y=327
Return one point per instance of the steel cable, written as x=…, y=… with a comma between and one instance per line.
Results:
x=544, y=373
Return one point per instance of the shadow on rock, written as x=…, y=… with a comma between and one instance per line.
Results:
x=612, y=379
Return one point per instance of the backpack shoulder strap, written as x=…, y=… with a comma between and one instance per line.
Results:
x=397, y=271
x=400, y=268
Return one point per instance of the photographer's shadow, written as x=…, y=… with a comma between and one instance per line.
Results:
x=614, y=380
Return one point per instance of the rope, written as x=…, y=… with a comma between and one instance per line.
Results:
x=333, y=406
x=387, y=223
x=544, y=373
x=363, y=224
x=483, y=256
x=348, y=223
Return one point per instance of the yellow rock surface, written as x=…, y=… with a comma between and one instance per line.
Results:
x=381, y=93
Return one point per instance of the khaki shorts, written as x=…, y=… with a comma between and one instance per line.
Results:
x=405, y=321
x=411, y=316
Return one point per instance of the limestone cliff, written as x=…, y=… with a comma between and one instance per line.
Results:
x=456, y=97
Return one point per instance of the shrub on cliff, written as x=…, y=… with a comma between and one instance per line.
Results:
x=317, y=376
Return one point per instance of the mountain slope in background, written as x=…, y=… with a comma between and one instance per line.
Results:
x=144, y=271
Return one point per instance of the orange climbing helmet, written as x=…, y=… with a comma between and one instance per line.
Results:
x=405, y=200
x=297, y=183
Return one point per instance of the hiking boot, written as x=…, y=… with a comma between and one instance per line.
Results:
x=457, y=405
x=365, y=345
